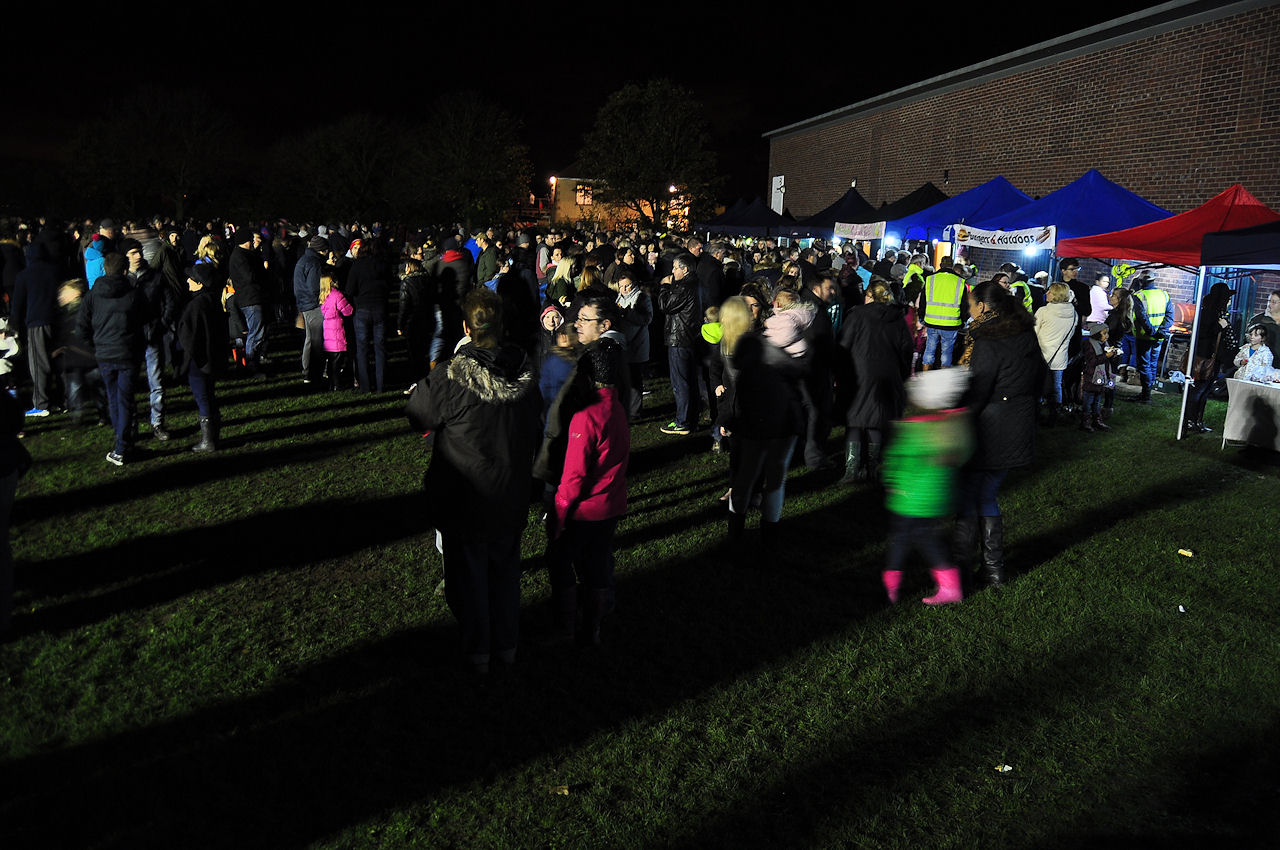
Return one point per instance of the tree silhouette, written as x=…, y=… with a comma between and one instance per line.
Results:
x=154, y=147
x=647, y=139
x=468, y=161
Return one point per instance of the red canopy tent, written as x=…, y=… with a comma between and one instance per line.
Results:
x=1177, y=241
x=1174, y=241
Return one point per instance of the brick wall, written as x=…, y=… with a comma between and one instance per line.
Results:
x=1176, y=118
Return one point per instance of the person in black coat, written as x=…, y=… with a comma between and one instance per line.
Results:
x=1007, y=373
x=35, y=315
x=111, y=321
x=248, y=277
x=485, y=409
x=369, y=290
x=760, y=411
x=876, y=348
x=416, y=319
x=202, y=334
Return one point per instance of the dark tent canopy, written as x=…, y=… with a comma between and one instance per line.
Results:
x=851, y=206
x=921, y=199
x=1256, y=247
x=756, y=220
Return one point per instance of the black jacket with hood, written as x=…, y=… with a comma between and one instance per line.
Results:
x=112, y=318
x=485, y=409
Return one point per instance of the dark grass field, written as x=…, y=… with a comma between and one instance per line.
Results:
x=245, y=649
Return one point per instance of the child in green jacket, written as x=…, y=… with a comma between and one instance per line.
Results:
x=920, y=465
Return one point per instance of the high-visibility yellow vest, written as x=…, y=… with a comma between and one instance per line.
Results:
x=943, y=291
x=1026, y=294
x=1156, y=302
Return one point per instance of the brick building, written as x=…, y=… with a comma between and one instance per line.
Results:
x=1175, y=103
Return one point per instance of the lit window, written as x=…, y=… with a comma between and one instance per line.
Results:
x=584, y=195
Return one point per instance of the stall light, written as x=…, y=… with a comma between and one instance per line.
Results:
x=892, y=240
x=935, y=243
x=1031, y=252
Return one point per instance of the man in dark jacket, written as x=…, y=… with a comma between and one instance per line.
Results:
x=112, y=320
x=35, y=309
x=163, y=312
x=306, y=291
x=823, y=294
x=678, y=299
x=248, y=279
x=484, y=407
x=487, y=261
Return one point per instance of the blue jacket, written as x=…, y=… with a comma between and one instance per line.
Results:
x=93, y=257
x=306, y=281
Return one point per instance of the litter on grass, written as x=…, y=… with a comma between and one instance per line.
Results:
x=562, y=790
x=1003, y=768
x=1181, y=610
x=1186, y=553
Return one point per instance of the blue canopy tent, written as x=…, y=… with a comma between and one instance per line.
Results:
x=1088, y=205
x=995, y=197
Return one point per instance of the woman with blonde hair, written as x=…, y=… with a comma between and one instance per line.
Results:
x=1055, y=323
x=760, y=410
x=560, y=288
x=208, y=251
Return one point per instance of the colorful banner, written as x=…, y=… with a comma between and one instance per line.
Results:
x=873, y=230
x=1006, y=240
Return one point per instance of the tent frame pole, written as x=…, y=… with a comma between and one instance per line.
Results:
x=1188, y=381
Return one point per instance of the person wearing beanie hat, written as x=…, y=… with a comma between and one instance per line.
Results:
x=306, y=293
x=921, y=464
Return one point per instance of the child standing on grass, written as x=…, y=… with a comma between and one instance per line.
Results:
x=1096, y=378
x=335, y=307
x=920, y=466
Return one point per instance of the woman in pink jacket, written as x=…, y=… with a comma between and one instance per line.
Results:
x=592, y=496
x=334, y=306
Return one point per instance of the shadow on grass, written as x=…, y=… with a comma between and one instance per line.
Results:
x=793, y=809
x=193, y=471
x=320, y=408
x=163, y=567
x=1050, y=541
x=393, y=722
x=1226, y=798
x=318, y=424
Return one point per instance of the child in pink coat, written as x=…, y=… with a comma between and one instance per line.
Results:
x=334, y=306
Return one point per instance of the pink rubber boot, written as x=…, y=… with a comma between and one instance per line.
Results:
x=892, y=580
x=948, y=579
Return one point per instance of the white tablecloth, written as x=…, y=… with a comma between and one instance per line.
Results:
x=1253, y=414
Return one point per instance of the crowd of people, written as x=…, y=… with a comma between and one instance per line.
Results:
x=529, y=352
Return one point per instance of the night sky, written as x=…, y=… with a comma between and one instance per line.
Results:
x=281, y=75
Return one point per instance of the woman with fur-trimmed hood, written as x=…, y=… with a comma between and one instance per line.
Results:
x=484, y=406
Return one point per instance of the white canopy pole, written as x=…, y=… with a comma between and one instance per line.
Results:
x=1188, y=381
